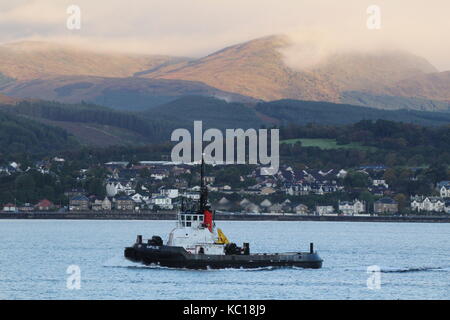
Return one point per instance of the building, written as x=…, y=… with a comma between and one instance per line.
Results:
x=27, y=207
x=79, y=203
x=9, y=207
x=276, y=208
x=124, y=203
x=447, y=206
x=350, y=208
x=265, y=205
x=427, y=204
x=324, y=210
x=171, y=193
x=267, y=190
x=162, y=202
x=45, y=205
x=445, y=191
x=385, y=205
x=301, y=209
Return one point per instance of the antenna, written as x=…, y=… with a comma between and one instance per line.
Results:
x=203, y=188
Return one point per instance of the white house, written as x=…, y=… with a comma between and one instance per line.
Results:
x=137, y=198
x=445, y=191
x=163, y=202
x=114, y=187
x=192, y=195
x=429, y=204
x=324, y=210
x=380, y=182
x=171, y=193
x=10, y=207
x=350, y=208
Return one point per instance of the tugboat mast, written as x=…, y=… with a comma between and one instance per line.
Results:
x=203, y=188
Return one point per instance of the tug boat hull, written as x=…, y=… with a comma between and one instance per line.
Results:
x=178, y=257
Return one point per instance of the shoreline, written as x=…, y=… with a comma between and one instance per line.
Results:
x=218, y=217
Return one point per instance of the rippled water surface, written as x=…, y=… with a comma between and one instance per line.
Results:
x=414, y=261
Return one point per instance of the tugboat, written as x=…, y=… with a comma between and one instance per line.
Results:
x=195, y=243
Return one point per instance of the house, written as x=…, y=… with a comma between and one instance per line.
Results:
x=101, y=205
x=106, y=204
x=250, y=207
x=223, y=204
x=447, y=206
x=171, y=193
x=265, y=204
x=162, y=202
x=124, y=203
x=116, y=186
x=79, y=203
x=445, y=191
x=298, y=189
x=45, y=205
x=350, y=208
x=276, y=208
x=192, y=195
x=27, y=207
x=9, y=207
x=324, y=210
x=428, y=204
x=385, y=205
x=286, y=205
x=159, y=174
x=210, y=179
x=97, y=205
x=301, y=209
x=267, y=190
x=137, y=198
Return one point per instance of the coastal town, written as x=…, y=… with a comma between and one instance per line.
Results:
x=165, y=187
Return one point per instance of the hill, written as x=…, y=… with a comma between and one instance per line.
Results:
x=28, y=60
x=7, y=100
x=19, y=135
x=260, y=69
x=427, y=86
x=102, y=126
x=121, y=93
x=215, y=113
x=304, y=112
x=269, y=68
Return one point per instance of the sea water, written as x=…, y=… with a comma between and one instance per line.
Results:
x=83, y=259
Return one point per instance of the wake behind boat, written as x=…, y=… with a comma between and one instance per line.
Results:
x=195, y=243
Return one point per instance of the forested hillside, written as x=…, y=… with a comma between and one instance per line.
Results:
x=304, y=112
x=391, y=143
x=151, y=130
x=18, y=135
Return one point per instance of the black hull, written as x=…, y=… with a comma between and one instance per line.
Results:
x=178, y=257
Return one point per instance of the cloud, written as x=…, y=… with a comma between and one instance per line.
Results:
x=197, y=27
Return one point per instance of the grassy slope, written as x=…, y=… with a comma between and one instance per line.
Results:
x=325, y=144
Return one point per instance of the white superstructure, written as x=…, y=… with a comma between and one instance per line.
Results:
x=192, y=234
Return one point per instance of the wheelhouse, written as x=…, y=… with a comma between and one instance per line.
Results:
x=190, y=220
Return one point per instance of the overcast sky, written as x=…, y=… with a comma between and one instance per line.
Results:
x=198, y=27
